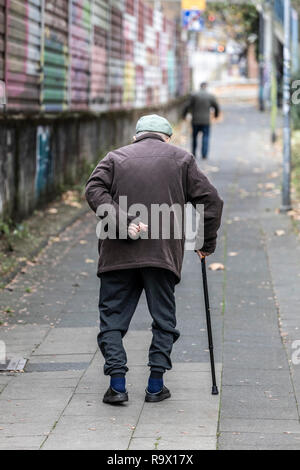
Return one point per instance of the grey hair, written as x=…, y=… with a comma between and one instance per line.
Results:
x=164, y=136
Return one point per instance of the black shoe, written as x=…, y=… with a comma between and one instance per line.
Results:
x=113, y=397
x=160, y=396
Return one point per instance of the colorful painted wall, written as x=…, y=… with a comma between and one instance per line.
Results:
x=78, y=74
x=2, y=38
x=79, y=55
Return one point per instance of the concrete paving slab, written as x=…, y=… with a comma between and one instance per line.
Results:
x=275, y=382
x=173, y=443
x=258, y=441
x=89, y=432
x=265, y=426
x=69, y=341
x=33, y=390
x=32, y=442
x=22, y=339
x=242, y=402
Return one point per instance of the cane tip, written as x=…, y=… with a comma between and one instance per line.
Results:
x=215, y=390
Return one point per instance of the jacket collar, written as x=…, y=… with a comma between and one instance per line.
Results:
x=148, y=135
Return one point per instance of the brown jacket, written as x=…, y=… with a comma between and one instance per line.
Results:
x=151, y=171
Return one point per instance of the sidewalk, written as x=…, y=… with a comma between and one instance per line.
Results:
x=52, y=317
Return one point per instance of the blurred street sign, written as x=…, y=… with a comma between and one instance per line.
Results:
x=193, y=20
x=195, y=5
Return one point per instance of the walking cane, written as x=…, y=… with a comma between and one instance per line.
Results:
x=215, y=390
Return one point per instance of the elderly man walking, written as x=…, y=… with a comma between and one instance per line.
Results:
x=200, y=105
x=150, y=172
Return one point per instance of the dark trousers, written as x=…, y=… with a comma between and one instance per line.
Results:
x=119, y=295
x=205, y=130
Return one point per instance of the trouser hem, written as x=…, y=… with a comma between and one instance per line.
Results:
x=160, y=370
x=116, y=371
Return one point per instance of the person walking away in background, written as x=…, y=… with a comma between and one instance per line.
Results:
x=200, y=106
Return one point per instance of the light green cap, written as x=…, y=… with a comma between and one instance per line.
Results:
x=154, y=123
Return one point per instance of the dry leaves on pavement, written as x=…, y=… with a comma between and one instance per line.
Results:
x=279, y=233
x=216, y=267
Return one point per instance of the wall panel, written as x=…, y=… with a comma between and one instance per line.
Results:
x=80, y=51
x=130, y=36
x=23, y=52
x=140, y=57
x=2, y=38
x=80, y=55
x=99, y=97
x=55, y=56
x=117, y=54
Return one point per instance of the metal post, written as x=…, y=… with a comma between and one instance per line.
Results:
x=215, y=390
x=274, y=89
x=286, y=189
x=261, y=60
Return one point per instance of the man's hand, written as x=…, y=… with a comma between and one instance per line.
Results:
x=202, y=254
x=135, y=230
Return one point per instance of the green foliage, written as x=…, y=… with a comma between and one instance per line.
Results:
x=5, y=227
x=9, y=232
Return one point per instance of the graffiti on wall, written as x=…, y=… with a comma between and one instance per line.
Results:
x=44, y=170
x=99, y=93
x=55, y=57
x=80, y=50
x=89, y=54
x=23, y=53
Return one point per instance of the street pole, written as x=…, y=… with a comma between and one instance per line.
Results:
x=274, y=89
x=261, y=60
x=286, y=187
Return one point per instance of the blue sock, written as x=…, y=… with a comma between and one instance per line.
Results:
x=155, y=385
x=118, y=383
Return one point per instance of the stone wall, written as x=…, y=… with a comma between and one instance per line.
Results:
x=39, y=155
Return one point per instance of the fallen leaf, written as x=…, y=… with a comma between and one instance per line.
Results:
x=279, y=233
x=275, y=174
x=89, y=261
x=216, y=267
x=233, y=253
